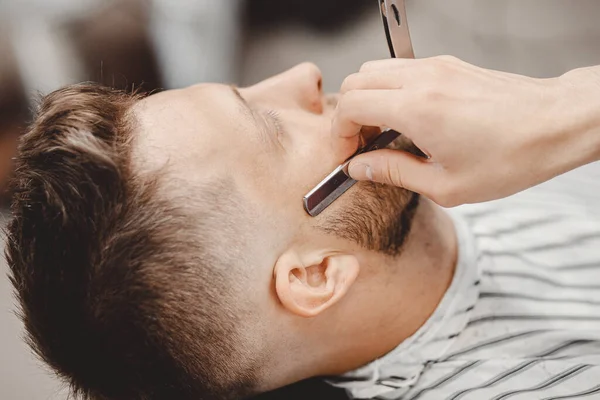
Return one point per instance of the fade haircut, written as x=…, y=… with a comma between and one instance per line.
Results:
x=119, y=288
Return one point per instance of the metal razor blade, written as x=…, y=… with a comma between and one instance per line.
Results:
x=339, y=181
x=395, y=25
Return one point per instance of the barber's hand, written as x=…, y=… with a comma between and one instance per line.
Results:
x=488, y=134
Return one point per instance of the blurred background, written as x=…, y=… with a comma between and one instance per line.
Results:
x=162, y=44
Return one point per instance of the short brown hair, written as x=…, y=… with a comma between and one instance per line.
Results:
x=118, y=288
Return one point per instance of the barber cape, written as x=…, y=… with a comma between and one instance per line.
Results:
x=521, y=318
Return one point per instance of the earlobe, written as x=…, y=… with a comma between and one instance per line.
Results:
x=309, y=284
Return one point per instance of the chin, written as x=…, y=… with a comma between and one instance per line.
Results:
x=376, y=217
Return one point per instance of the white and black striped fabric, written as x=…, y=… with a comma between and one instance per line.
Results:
x=521, y=319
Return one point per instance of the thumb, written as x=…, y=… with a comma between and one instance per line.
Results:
x=392, y=167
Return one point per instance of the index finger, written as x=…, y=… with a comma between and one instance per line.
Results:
x=380, y=108
x=387, y=64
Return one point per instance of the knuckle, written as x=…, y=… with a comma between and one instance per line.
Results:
x=447, y=58
x=439, y=67
x=350, y=82
x=392, y=174
x=432, y=71
x=397, y=79
x=367, y=66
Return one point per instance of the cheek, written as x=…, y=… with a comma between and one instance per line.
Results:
x=266, y=179
x=280, y=179
x=316, y=162
x=312, y=145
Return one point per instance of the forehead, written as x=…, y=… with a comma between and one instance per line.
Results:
x=187, y=129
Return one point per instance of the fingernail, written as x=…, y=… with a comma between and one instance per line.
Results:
x=361, y=172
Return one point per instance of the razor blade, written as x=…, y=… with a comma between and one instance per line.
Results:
x=395, y=25
x=339, y=181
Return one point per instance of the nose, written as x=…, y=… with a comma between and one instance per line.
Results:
x=300, y=86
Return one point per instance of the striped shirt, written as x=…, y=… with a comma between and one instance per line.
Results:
x=521, y=319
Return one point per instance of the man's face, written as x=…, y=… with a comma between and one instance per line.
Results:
x=271, y=139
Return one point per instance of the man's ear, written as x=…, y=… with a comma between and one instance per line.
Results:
x=309, y=284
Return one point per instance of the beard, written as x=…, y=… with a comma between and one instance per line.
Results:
x=377, y=217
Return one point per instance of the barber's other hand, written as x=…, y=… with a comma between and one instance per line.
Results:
x=489, y=134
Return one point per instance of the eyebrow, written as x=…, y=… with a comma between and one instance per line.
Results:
x=242, y=100
x=265, y=135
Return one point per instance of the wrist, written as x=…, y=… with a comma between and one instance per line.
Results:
x=578, y=116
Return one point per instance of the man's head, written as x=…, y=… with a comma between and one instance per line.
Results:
x=159, y=247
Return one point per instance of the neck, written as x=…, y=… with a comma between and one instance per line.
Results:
x=390, y=301
x=397, y=296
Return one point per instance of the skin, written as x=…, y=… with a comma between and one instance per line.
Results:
x=325, y=304
x=489, y=134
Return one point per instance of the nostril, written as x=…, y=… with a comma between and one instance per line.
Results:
x=313, y=73
x=320, y=84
